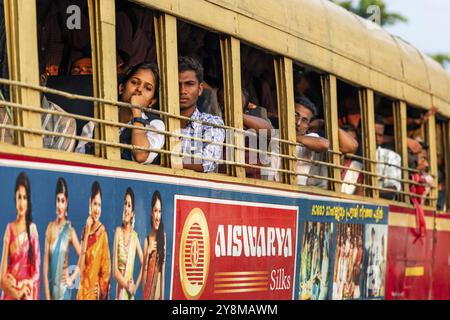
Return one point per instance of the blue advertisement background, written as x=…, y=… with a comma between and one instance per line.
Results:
x=43, y=184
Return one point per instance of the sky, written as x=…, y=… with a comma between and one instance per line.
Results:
x=428, y=24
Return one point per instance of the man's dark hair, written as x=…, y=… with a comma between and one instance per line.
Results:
x=308, y=104
x=246, y=97
x=348, y=128
x=379, y=119
x=424, y=145
x=191, y=64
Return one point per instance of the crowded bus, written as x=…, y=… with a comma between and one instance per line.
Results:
x=215, y=150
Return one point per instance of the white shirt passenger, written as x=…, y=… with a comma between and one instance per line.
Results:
x=391, y=171
x=302, y=166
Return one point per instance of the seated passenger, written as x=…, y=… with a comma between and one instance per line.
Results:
x=207, y=102
x=423, y=190
x=414, y=146
x=348, y=144
x=59, y=124
x=388, y=164
x=190, y=73
x=423, y=176
x=305, y=110
x=318, y=169
x=348, y=175
x=140, y=88
x=442, y=195
x=255, y=121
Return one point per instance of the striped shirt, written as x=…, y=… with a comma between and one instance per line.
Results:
x=206, y=132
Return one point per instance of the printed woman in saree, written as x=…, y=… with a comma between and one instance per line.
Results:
x=126, y=245
x=21, y=258
x=58, y=238
x=95, y=261
x=155, y=254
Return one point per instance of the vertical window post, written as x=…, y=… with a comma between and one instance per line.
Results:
x=231, y=62
x=366, y=97
x=432, y=157
x=329, y=92
x=286, y=111
x=20, y=22
x=401, y=136
x=446, y=139
x=102, y=22
x=167, y=55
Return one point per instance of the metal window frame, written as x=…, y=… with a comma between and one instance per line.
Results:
x=22, y=48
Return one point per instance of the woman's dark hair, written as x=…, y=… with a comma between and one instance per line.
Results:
x=143, y=66
x=95, y=190
x=61, y=187
x=130, y=193
x=160, y=233
x=24, y=181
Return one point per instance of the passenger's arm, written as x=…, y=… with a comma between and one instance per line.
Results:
x=414, y=146
x=143, y=138
x=139, y=139
x=257, y=123
x=317, y=144
x=194, y=166
x=347, y=144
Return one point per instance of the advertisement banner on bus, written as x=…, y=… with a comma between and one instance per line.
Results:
x=233, y=250
x=191, y=239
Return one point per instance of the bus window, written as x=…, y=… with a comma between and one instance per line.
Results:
x=418, y=153
x=349, y=120
x=200, y=78
x=260, y=111
x=443, y=151
x=135, y=35
x=389, y=161
x=203, y=46
x=307, y=84
x=384, y=108
x=6, y=112
x=139, y=80
x=64, y=48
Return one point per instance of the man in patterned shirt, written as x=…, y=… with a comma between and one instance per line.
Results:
x=190, y=77
x=388, y=164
